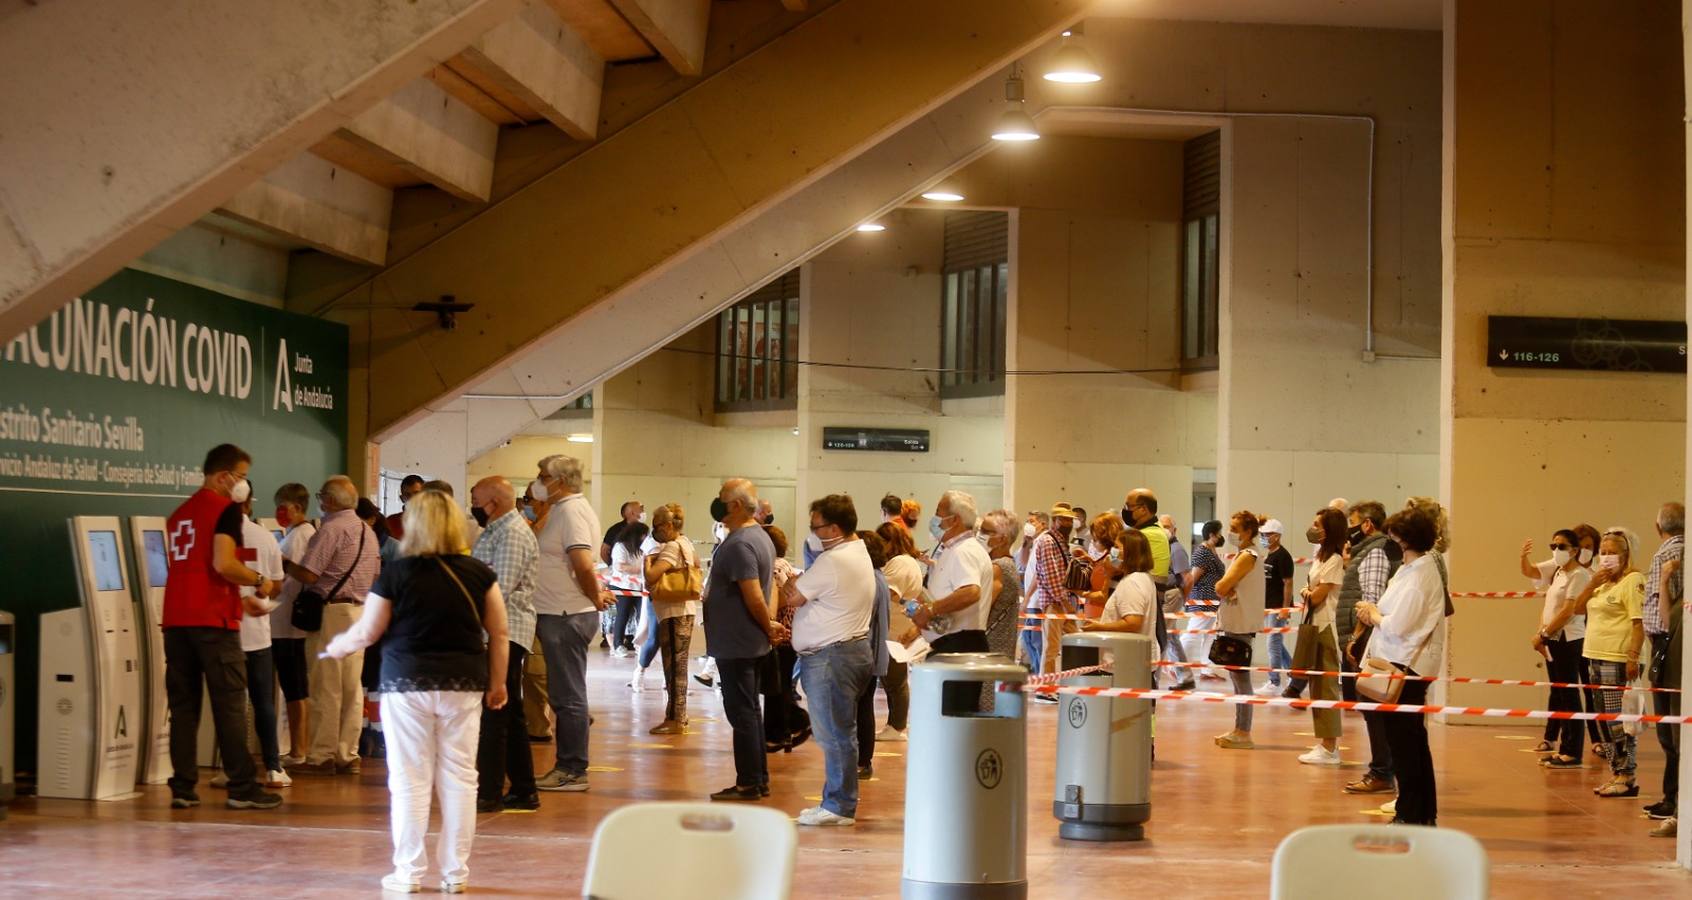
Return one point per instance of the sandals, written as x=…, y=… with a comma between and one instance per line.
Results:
x=1559, y=761
x=1618, y=787
x=1234, y=740
x=1543, y=747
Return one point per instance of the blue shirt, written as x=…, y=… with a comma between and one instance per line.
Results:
x=730, y=630
x=878, y=624
x=1178, y=561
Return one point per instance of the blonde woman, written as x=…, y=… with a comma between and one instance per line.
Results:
x=674, y=618
x=430, y=607
x=1614, y=604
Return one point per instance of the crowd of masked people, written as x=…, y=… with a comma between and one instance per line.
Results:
x=474, y=628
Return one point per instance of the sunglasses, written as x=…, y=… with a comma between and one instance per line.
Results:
x=1560, y=546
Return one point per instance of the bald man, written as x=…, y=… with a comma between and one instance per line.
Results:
x=508, y=545
x=339, y=565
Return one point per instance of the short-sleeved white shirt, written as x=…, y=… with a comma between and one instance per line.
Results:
x=1559, y=586
x=293, y=550
x=255, y=630
x=839, y=590
x=1330, y=571
x=1135, y=595
x=962, y=562
x=572, y=524
x=904, y=577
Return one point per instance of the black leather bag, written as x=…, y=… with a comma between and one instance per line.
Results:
x=307, y=614
x=1230, y=651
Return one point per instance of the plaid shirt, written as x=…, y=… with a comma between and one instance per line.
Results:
x=1372, y=572
x=509, y=547
x=1051, y=572
x=1656, y=617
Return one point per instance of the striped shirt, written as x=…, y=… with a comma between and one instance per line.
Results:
x=508, y=546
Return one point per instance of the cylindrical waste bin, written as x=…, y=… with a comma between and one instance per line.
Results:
x=1104, y=743
x=966, y=783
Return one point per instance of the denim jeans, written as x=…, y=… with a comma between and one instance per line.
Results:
x=261, y=690
x=1279, y=658
x=648, y=647
x=564, y=641
x=834, y=677
x=1032, y=642
x=739, y=678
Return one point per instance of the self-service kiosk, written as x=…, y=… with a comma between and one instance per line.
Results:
x=274, y=527
x=147, y=548
x=90, y=714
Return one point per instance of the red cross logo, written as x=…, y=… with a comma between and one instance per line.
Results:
x=182, y=540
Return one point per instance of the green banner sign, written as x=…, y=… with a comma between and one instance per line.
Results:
x=108, y=406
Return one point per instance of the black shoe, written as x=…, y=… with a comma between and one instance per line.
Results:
x=1662, y=809
x=1187, y=686
x=866, y=771
x=540, y=738
x=528, y=802
x=488, y=806
x=706, y=680
x=254, y=800
x=763, y=790
x=800, y=737
x=184, y=801
x=1292, y=693
x=738, y=793
x=777, y=747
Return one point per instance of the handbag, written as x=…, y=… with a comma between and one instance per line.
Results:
x=679, y=585
x=1080, y=576
x=307, y=614
x=1308, y=649
x=1230, y=651
x=1372, y=686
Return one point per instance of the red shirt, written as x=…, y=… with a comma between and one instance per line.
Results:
x=196, y=596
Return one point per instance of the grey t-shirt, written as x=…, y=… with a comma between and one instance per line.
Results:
x=730, y=631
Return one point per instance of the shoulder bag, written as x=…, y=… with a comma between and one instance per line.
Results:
x=679, y=584
x=1080, y=576
x=1307, y=651
x=1370, y=683
x=461, y=588
x=307, y=614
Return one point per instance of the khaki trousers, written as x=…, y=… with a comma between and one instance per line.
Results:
x=337, y=696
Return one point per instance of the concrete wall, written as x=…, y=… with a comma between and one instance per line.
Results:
x=874, y=300
x=1565, y=187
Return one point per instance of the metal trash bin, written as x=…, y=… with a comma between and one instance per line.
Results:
x=966, y=782
x=1103, y=790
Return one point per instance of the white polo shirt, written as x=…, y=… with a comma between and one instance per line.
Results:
x=962, y=561
x=255, y=630
x=1559, y=586
x=839, y=590
x=572, y=524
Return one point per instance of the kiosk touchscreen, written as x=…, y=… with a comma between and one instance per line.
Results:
x=274, y=527
x=147, y=547
x=90, y=714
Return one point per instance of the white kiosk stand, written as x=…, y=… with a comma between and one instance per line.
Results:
x=147, y=546
x=90, y=715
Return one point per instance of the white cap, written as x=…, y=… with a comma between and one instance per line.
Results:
x=1273, y=526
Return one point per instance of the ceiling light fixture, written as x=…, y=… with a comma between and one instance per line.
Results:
x=1072, y=64
x=1015, y=124
x=871, y=227
x=942, y=196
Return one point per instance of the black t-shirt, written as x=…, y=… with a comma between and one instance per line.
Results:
x=434, y=640
x=229, y=523
x=1277, y=568
x=614, y=532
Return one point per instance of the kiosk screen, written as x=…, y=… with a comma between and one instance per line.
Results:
x=103, y=553
x=157, y=568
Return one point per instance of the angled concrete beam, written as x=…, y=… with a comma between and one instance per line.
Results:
x=675, y=27
x=320, y=204
x=547, y=65
x=109, y=151
x=432, y=135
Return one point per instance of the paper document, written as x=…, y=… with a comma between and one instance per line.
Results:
x=914, y=653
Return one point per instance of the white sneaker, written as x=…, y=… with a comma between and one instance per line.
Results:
x=816, y=815
x=393, y=884
x=1267, y=689
x=638, y=685
x=1319, y=755
x=1390, y=807
x=620, y=653
x=288, y=762
x=890, y=734
x=276, y=778
x=220, y=780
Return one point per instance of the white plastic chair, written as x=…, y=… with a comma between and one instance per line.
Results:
x=1380, y=862
x=704, y=851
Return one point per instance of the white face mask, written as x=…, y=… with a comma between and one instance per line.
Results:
x=241, y=491
x=814, y=542
x=537, y=489
x=1560, y=558
x=1610, y=562
x=1028, y=531
x=1585, y=556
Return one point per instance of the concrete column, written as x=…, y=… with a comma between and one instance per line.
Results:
x=1564, y=196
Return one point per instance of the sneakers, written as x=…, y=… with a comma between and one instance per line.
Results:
x=866, y=772
x=326, y=767
x=1662, y=809
x=1669, y=828
x=816, y=815
x=559, y=780
x=484, y=805
x=454, y=887
x=527, y=803
x=1235, y=740
x=349, y=768
x=277, y=778
x=184, y=801
x=735, y=793
x=669, y=726
x=255, y=800
x=1045, y=698
x=638, y=684
x=1369, y=784
x=220, y=780
x=1267, y=689
x=890, y=734
x=1319, y=755
x=620, y=653
x=288, y=762
x=393, y=884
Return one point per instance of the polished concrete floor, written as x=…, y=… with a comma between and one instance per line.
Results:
x=1217, y=818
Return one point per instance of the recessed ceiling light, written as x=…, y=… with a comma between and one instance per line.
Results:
x=869, y=227
x=942, y=196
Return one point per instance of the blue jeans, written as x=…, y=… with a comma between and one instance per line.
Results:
x=564, y=642
x=1279, y=658
x=834, y=676
x=261, y=690
x=1031, y=642
x=649, y=647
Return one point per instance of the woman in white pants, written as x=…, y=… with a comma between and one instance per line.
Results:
x=431, y=607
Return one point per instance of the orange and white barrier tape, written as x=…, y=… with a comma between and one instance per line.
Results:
x=1495, y=595
x=1056, y=677
x=1358, y=705
x=1400, y=676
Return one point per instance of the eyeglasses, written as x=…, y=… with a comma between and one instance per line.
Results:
x=1561, y=546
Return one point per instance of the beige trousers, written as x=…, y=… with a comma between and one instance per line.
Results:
x=337, y=696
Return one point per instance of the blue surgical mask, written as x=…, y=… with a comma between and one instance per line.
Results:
x=935, y=528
